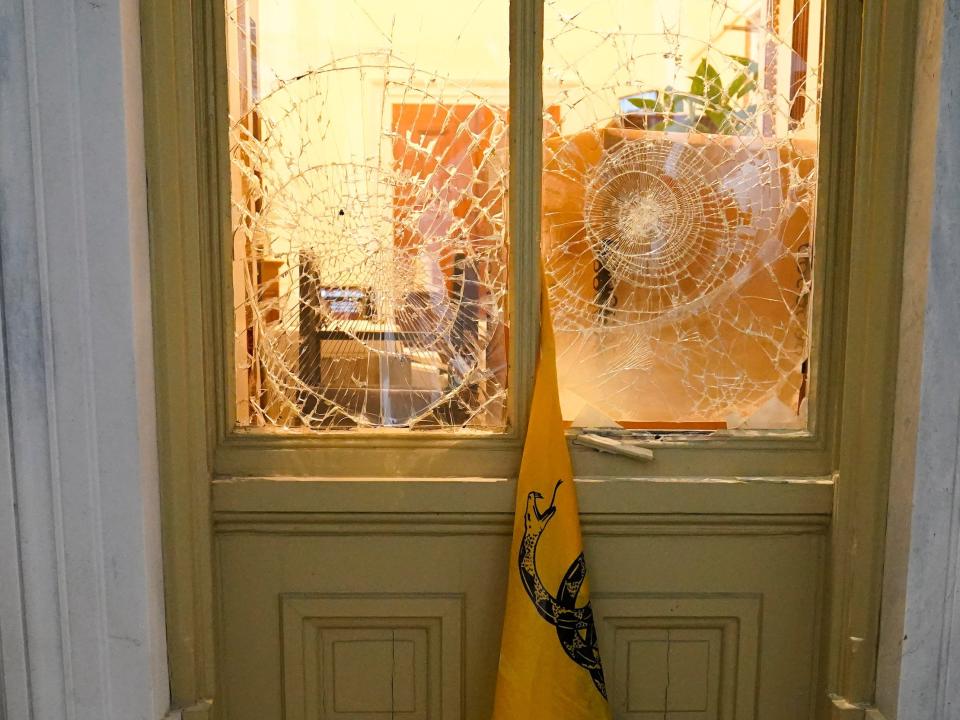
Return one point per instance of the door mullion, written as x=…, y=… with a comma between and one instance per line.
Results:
x=526, y=129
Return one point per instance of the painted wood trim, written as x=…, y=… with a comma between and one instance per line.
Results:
x=424, y=524
x=254, y=452
x=872, y=333
x=394, y=455
x=174, y=158
x=842, y=38
x=526, y=156
x=236, y=448
x=840, y=709
x=839, y=712
x=681, y=497
x=200, y=711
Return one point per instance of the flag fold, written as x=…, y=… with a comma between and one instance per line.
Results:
x=549, y=658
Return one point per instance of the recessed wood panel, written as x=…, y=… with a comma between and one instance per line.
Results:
x=693, y=669
x=699, y=600
x=365, y=657
x=360, y=678
x=688, y=657
x=645, y=676
x=658, y=673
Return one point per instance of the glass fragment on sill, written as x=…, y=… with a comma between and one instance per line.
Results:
x=368, y=153
x=678, y=210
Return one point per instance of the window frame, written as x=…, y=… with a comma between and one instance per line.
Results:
x=264, y=452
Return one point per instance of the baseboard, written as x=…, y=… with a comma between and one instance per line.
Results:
x=841, y=709
x=200, y=711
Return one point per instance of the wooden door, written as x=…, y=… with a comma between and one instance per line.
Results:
x=358, y=572
x=353, y=600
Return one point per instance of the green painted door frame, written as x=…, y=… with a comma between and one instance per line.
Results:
x=869, y=65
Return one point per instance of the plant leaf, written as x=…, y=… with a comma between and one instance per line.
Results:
x=718, y=119
x=697, y=85
x=714, y=85
x=645, y=103
x=753, y=68
x=741, y=85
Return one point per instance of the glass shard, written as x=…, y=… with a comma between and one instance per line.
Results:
x=679, y=188
x=368, y=148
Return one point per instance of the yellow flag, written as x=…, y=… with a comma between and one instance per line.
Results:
x=549, y=659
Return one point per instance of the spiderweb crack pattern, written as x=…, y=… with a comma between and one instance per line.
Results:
x=369, y=198
x=677, y=225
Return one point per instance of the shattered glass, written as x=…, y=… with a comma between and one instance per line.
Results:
x=369, y=168
x=679, y=185
x=368, y=149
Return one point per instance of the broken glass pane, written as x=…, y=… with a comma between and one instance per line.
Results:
x=368, y=148
x=679, y=181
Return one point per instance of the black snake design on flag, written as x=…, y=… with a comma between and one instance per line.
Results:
x=575, y=626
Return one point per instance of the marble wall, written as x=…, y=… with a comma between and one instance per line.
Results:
x=919, y=667
x=81, y=601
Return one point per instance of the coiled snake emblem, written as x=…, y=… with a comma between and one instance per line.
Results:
x=575, y=626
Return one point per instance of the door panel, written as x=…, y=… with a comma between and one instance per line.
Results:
x=370, y=607
x=373, y=240
x=305, y=539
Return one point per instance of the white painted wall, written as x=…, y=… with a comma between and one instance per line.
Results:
x=81, y=619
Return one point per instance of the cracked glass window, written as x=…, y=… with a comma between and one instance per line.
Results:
x=368, y=152
x=679, y=180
